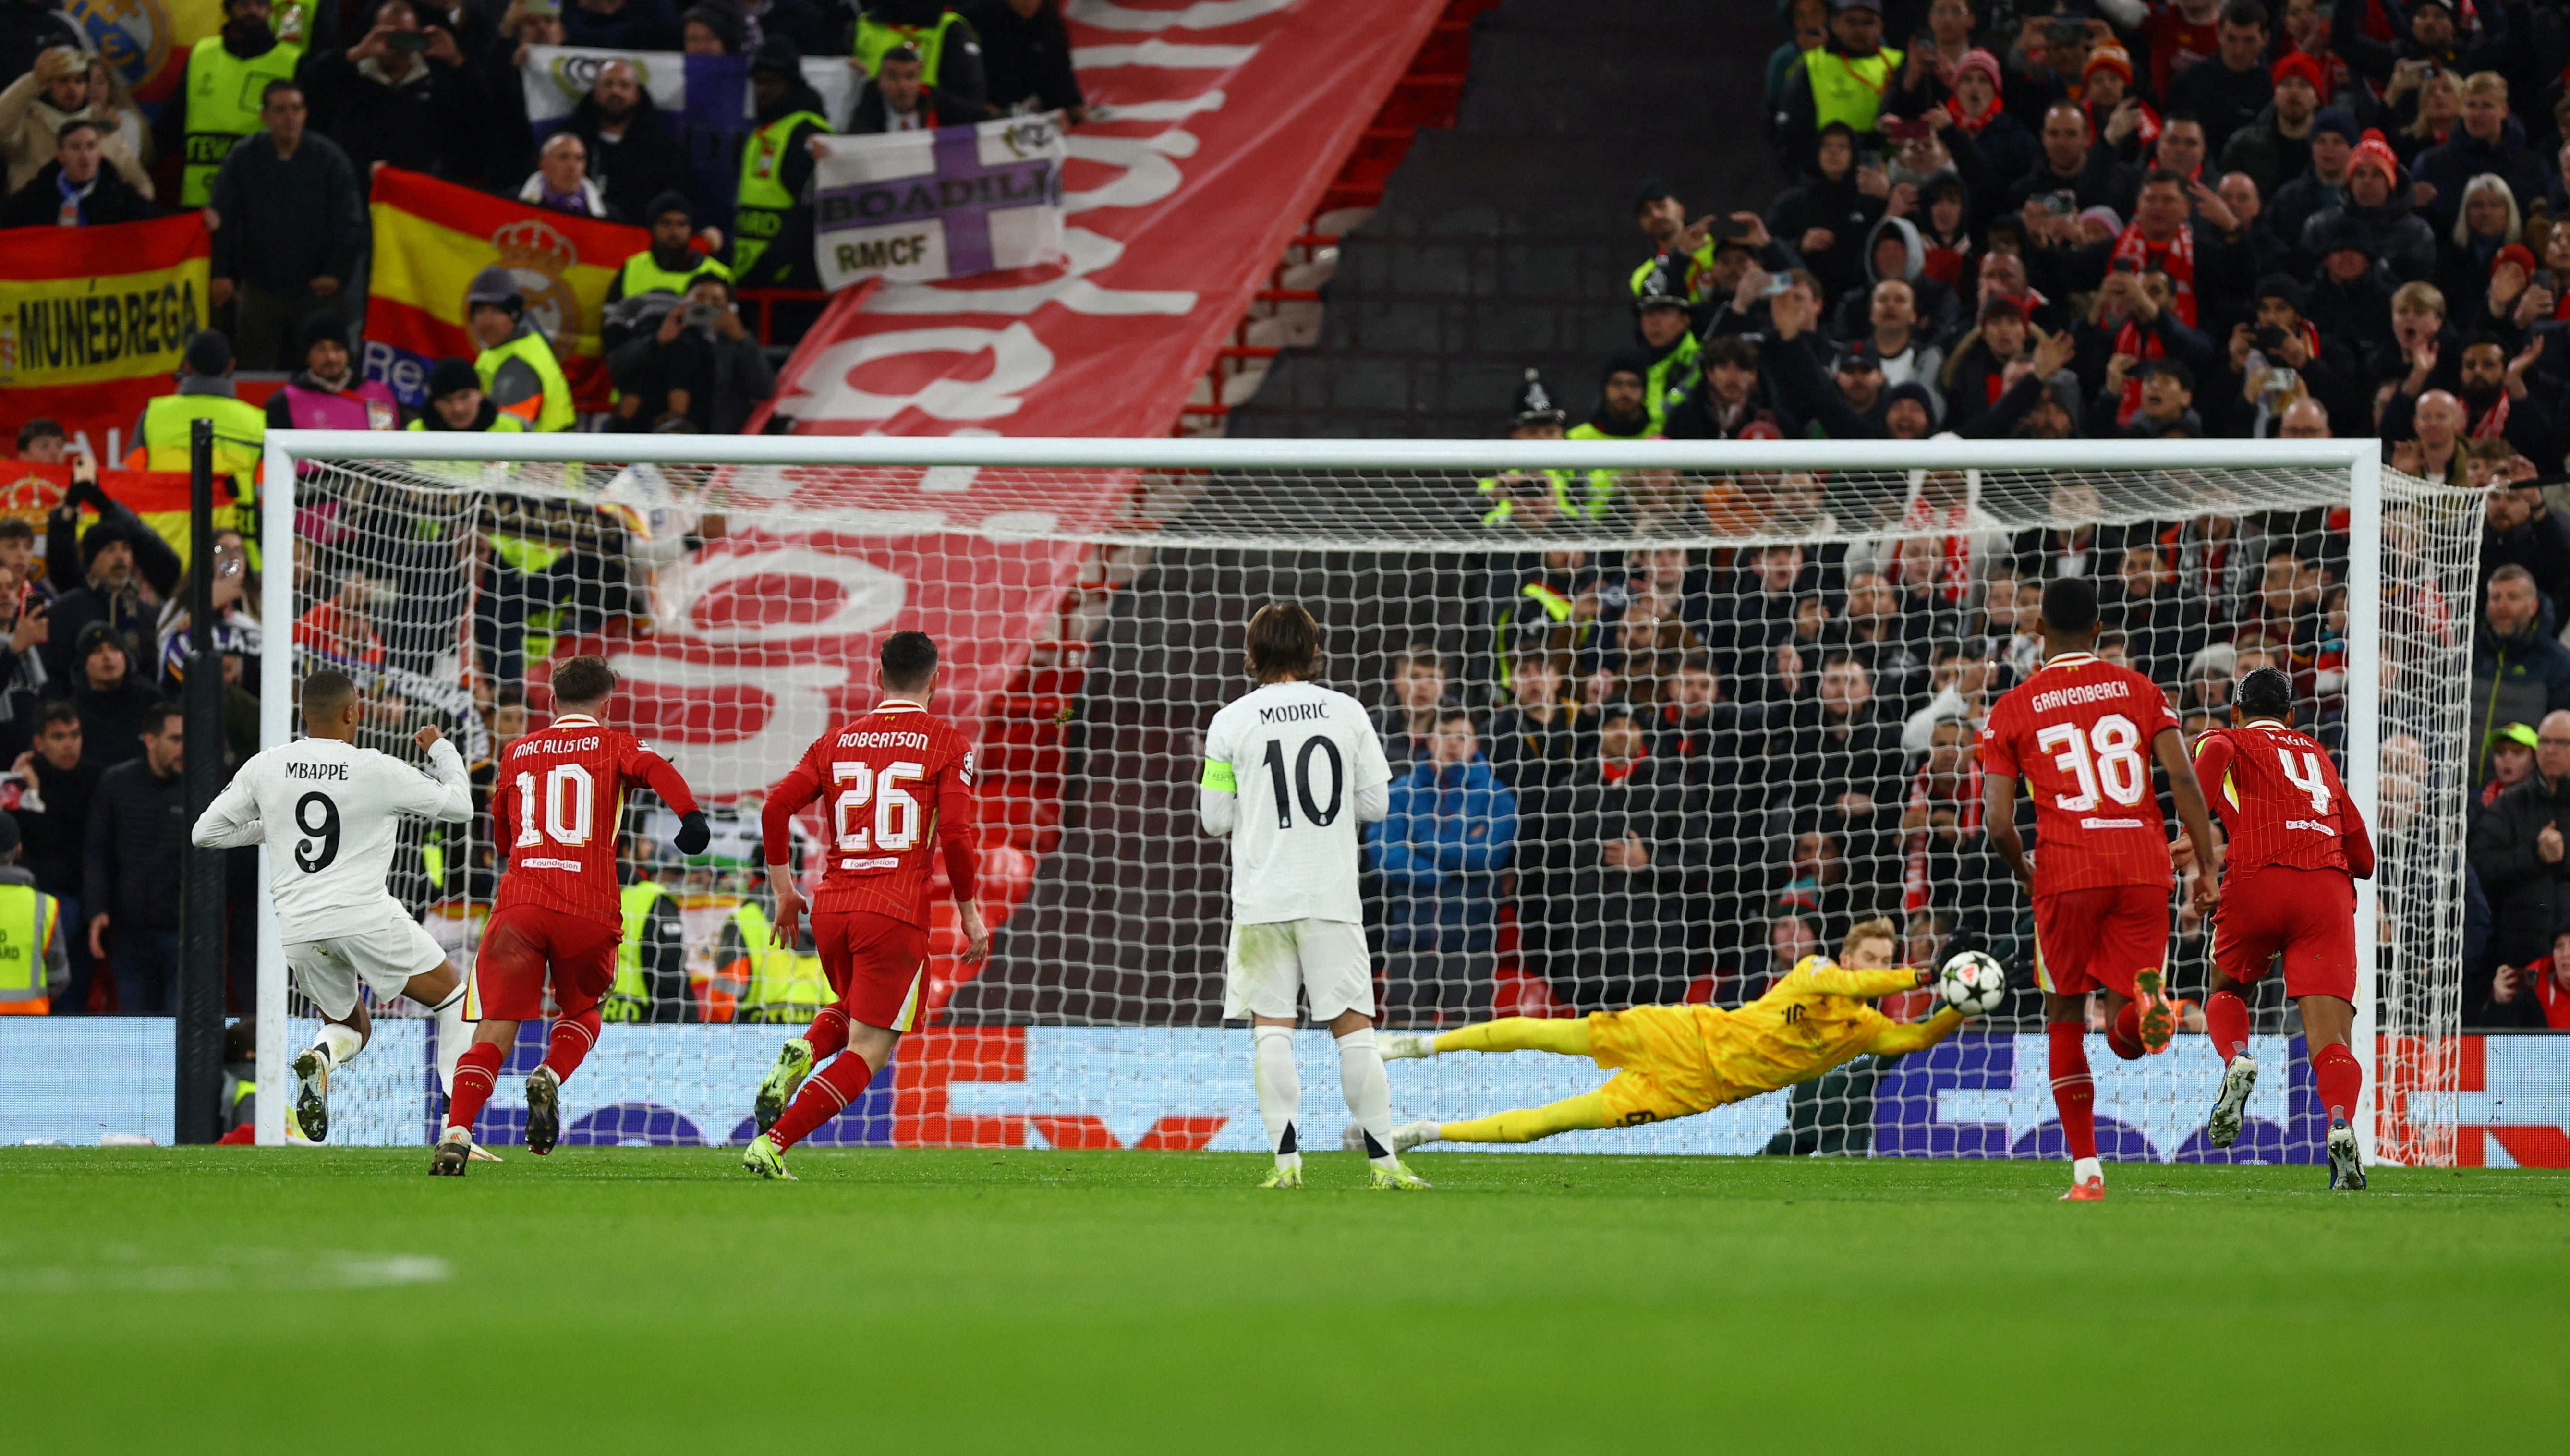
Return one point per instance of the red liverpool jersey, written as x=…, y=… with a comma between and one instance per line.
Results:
x=558, y=798
x=2281, y=801
x=896, y=781
x=2078, y=735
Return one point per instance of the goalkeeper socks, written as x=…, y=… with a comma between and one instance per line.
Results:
x=477, y=1070
x=1280, y=1088
x=570, y=1042
x=2124, y=1037
x=338, y=1043
x=828, y=1034
x=1527, y=1124
x=2226, y=1021
x=2074, y=1092
x=452, y=1036
x=1566, y=1037
x=2337, y=1077
x=1369, y=1093
x=824, y=1096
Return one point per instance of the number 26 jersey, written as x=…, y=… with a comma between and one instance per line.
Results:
x=1295, y=756
x=2077, y=735
x=555, y=805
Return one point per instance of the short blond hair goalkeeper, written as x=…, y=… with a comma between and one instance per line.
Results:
x=1677, y=1061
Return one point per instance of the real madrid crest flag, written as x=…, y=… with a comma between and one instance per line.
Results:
x=432, y=237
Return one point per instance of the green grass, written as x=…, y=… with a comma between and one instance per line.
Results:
x=633, y=1300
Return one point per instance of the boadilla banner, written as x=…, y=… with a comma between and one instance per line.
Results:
x=94, y=321
x=914, y=206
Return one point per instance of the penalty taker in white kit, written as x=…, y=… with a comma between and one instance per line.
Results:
x=1291, y=769
x=329, y=812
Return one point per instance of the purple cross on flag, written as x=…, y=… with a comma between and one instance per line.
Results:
x=914, y=206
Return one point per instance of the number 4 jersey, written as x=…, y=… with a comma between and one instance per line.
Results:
x=1297, y=756
x=2078, y=736
x=2280, y=802
x=329, y=812
x=555, y=805
x=893, y=784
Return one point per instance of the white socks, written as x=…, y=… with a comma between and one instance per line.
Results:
x=2084, y=1169
x=453, y=1035
x=338, y=1043
x=1280, y=1090
x=1369, y=1093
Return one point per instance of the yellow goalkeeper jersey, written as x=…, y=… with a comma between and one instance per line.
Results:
x=1677, y=1060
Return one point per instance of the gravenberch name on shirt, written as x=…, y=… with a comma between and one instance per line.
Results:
x=2084, y=692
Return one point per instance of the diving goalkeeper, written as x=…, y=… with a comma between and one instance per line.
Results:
x=1677, y=1061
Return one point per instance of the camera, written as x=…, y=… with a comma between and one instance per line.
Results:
x=413, y=40
x=1908, y=128
x=702, y=315
x=1726, y=229
x=2268, y=337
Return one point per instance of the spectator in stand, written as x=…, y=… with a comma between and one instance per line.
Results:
x=714, y=28
x=1419, y=694
x=2072, y=174
x=2121, y=118
x=772, y=216
x=512, y=144
x=2139, y=322
x=2276, y=146
x=2437, y=450
x=1839, y=766
x=1994, y=147
x=1878, y=637
x=113, y=690
x=2511, y=759
x=949, y=50
x=2167, y=394
x=2163, y=627
x=56, y=787
x=2519, y=528
x=1826, y=218
x=2228, y=92
x=121, y=558
x=288, y=213
x=2495, y=398
x=223, y=72
x=1441, y=850
x=40, y=938
x=456, y=402
x=561, y=181
x=2516, y=848
x=699, y=372
x=2481, y=145
x=2322, y=184
x=1026, y=55
x=621, y=25
x=2378, y=206
x=1542, y=738
x=895, y=99
x=77, y=189
x=517, y=365
x=631, y=158
x=36, y=107
x=1809, y=24
x=24, y=683
x=133, y=853
x=327, y=394
x=28, y=29
x=1842, y=83
x=2520, y=672
x=1614, y=872
x=2535, y=996
x=2469, y=253
x=403, y=95
x=2350, y=298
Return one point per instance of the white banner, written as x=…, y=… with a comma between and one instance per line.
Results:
x=916, y=206
x=693, y=89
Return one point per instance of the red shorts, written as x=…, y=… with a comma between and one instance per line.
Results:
x=2306, y=915
x=2085, y=940
x=878, y=965
x=520, y=942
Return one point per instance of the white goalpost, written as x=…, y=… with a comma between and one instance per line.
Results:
x=1793, y=641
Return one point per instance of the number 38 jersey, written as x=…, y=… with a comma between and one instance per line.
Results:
x=557, y=801
x=329, y=812
x=2077, y=735
x=2280, y=802
x=892, y=785
x=1296, y=756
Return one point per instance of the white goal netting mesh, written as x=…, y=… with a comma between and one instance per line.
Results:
x=1715, y=718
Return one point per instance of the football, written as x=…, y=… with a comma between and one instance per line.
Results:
x=1973, y=983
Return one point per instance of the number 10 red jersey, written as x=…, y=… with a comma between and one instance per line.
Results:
x=890, y=784
x=556, y=803
x=2078, y=736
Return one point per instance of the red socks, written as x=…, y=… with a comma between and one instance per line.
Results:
x=822, y=1097
x=568, y=1045
x=475, y=1072
x=828, y=1034
x=2226, y=1021
x=2073, y=1092
x=2339, y=1076
x=2124, y=1037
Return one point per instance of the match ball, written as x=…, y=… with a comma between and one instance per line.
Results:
x=1973, y=984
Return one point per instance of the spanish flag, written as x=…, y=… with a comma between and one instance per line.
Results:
x=432, y=237
x=94, y=321
x=29, y=491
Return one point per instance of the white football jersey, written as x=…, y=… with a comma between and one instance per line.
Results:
x=328, y=812
x=1305, y=768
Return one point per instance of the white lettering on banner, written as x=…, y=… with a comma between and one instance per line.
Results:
x=1203, y=15
x=1169, y=55
x=798, y=712
x=1019, y=363
x=1088, y=252
x=1149, y=175
x=869, y=594
x=1165, y=111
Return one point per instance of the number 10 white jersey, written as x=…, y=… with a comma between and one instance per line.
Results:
x=329, y=813
x=1291, y=771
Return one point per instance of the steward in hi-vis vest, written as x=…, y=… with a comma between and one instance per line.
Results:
x=517, y=365
x=35, y=966
x=220, y=96
x=950, y=51
x=772, y=213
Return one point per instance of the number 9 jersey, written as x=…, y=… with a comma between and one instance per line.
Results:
x=556, y=803
x=2078, y=736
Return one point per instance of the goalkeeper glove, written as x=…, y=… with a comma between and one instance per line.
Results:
x=694, y=834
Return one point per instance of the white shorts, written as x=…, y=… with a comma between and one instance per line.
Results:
x=1324, y=959
x=384, y=956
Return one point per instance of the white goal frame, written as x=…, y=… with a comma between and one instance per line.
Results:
x=2359, y=459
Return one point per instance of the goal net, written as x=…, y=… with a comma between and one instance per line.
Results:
x=1663, y=718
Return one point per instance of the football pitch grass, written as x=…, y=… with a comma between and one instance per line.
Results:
x=625, y=1300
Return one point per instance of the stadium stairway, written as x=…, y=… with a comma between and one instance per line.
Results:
x=1504, y=242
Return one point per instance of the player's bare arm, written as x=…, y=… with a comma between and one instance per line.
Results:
x=1998, y=811
x=2192, y=812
